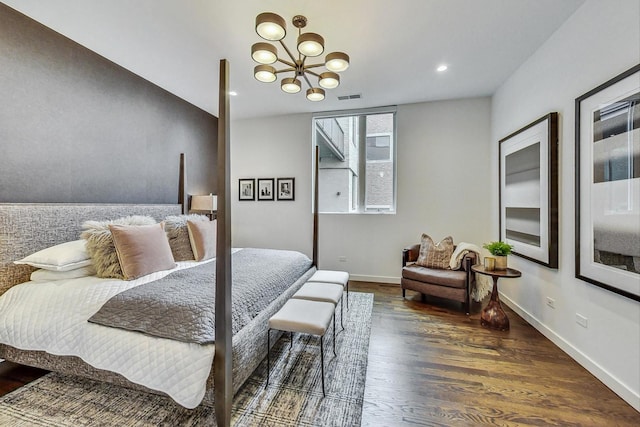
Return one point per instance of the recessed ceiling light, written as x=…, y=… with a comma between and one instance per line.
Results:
x=233, y=93
x=442, y=68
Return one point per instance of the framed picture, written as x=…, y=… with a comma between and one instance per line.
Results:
x=607, y=204
x=265, y=189
x=286, y=189
x=529, y=191
x=246, y=189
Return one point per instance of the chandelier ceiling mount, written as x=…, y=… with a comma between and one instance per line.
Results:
x=271, y=27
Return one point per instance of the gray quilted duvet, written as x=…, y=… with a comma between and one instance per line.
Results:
x=181, y=305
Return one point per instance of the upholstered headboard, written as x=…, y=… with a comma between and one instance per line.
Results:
x=29, y=227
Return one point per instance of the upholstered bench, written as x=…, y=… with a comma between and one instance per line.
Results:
x=332, y=276
x=307, y=317
x=325, y=292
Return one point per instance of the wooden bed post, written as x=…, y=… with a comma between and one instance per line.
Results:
x=182, y=185
x=222, y=365
x=315, y=209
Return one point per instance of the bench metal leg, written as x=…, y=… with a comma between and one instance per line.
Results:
x=322, y=364
x=341, y=314
x=268, y=350
x=290, y=340
x=347, y=295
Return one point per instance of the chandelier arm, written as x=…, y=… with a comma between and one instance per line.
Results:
x=312, y=73
x=313, y=66
x=284, y=46
x=290, y=64
x=307, y=80
x=285, y=70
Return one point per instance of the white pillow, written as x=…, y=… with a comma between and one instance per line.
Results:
x=64, y=257
x=41, y=275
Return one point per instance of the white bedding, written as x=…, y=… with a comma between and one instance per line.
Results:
x=52, y=317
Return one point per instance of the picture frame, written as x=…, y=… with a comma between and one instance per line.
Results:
x=266, y=189
x=286, y=189
x=246, y=189
x=528, y=193
x=607, y=185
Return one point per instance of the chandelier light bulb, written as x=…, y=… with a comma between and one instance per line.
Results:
x=315, y=94
x=291, y=85
x=264, y=73
x=264, y=53
x=337, y=62
x=270, y=26
x=329, y=80
x=310, y=44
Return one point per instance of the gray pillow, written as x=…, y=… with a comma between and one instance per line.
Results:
x=100, y=244
x=178, y=235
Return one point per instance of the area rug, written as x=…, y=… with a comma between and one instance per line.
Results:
x=293, y=397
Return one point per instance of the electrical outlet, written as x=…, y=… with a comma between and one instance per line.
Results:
x=551, y=302
x=342, y=258
x=581, y=320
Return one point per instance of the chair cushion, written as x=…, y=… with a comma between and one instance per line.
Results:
x=308, y=317
x=450, y=278
x=318, y=291
x=434, y=255
x=330, y=276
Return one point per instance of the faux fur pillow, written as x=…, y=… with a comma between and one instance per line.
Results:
x=435, y=255
x=178, y=235
x=100, y=244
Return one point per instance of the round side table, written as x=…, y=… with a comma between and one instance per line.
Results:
x=493, y=316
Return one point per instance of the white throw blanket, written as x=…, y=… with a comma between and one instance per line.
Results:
x=484, y=284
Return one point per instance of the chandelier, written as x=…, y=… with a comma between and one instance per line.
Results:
x=271, y=27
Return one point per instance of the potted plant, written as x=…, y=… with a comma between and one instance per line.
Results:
x=499, y=250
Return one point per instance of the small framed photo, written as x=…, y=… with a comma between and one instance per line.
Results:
x=265, y=188
x=286, y=189
x=247, y=189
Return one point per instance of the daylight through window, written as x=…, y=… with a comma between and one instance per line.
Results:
x=357, y=166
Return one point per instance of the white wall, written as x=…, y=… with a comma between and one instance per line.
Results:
x=443, y=188
x=274, y=147
x=601, y=40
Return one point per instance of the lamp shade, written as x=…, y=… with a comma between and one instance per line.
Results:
x=270, y=26
x=207, y=203
x=264, y=53
x=337, y=61
x=264, y=73
x=310, y=44
x=315, y=94
x=291, y=85
x=329, y=80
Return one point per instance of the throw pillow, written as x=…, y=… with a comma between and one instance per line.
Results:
x=100, y=244
x=203, y=238
x=141, y=249
x=178, y=235
x=435, y=255
x=63, y=257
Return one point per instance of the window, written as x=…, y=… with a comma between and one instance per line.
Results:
x=357, y=166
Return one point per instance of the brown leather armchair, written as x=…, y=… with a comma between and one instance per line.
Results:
x=449, y=284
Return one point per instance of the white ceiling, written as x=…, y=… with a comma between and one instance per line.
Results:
x=395, y=46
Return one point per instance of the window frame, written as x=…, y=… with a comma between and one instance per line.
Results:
x=362, y=161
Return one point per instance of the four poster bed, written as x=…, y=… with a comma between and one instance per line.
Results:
x=235, y=352
x=47, y=321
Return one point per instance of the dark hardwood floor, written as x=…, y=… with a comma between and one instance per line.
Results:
x=431, y=365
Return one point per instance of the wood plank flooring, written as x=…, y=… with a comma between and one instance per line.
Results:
x=431, y=365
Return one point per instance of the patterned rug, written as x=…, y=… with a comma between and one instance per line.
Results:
x=293, y=397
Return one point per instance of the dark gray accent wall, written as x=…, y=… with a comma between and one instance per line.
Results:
x=75, y=127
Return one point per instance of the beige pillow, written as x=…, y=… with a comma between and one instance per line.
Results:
x=178, y=235
x=203, y=238
x=100, y=244
x=435, y=255
x=141, y=249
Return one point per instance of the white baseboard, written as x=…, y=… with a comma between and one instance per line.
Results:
x=375, y=279
x=628, y=395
